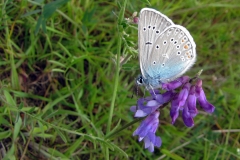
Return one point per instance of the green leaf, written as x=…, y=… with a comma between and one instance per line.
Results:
x=41, y=129
x=44, y=28
x=5, y=134
x=17, y=128
x=14, y=75
x=31, y=13
x=4, y=121
x=51, y=7
x=9, y=99
x=39, y=22
x=62, y=136
x=171, y=155
x=10, y=154
x=57, y=154
x=74, y=146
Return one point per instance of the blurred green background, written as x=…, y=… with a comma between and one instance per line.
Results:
x=68, y=70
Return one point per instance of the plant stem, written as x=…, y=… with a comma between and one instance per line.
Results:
x=119, y=45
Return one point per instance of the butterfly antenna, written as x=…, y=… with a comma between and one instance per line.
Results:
x=135, y=90
x=132, y=94
x=137, y=95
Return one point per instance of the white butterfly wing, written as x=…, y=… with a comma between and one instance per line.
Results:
x=172, y=54
x=151, y=24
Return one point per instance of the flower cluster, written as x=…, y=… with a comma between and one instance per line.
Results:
x=185, y=100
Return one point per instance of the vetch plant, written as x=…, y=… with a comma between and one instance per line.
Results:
x=183, y=94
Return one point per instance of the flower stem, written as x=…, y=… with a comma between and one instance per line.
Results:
x=119, y=45
x=123, y=127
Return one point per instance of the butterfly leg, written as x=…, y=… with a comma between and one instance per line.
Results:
x=153, y=90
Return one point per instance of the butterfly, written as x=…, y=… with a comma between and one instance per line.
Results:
x=166, y=50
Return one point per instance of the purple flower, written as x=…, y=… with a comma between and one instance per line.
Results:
x=187, y=118
x=186, y=99
x=174, y=111
x=152, y=103
x=176, y=83
x=151, y=140
x=184, y=94
x=208, y=107
x=181, y=100
x=147, y=129
x=191, y=102
x=142, y=110
x=165, y=97
x=135, y=20
x=189, y=109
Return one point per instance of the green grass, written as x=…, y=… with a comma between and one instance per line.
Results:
x=65, y=94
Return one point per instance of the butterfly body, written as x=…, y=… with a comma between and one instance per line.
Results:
x=166, y=50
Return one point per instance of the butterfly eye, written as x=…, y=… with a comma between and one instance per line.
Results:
x=140, y=80
x=164, y=42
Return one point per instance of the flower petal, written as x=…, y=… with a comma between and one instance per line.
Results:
x=140, y=113
x=184, y=94
x=149, y=124
x=191, y=102
x=135, y=20
x=147, y=142
x=152, y=103
x=175, y=84
x=133, y=108
x=165, y=97
x=174, y=111
x=187, y=118
x=208, y=107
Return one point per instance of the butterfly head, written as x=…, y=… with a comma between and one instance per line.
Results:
x=140, y=80
x=149, y=83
